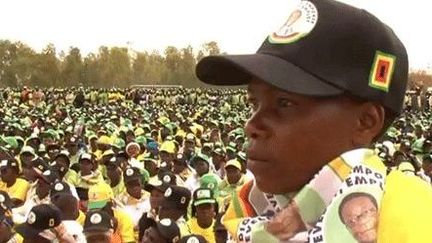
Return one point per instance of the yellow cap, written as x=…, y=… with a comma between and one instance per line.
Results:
x=406, y=167
x=234, y=163
x=99, y=195
x=168, y=146
x=138, y=132
x=108, y=152
x=104, y=140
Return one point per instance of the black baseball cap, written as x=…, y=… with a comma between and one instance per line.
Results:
x=132, y=173
x=40, y=218
x=167, y=177
x=39, y=165
x=98, y=221
x=176, y=197
x=60, y=187
x=325, y=48
x=169, y=230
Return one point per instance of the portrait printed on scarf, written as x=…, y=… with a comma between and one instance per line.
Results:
x=359, y=212
x=352, y=216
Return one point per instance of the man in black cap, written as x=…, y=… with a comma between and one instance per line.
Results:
x=322, y=88
x=40, y=225
x=40, y=195
x=164, y=231
x=156, y=187
x=135, y=199
x=174, y=206
x=99, y=226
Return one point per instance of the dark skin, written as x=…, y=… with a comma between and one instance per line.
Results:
x=206, y=151
x=218, y=160
x=155, y=198
x=42, y=189
x=28, y=172
x=34, y=143
x=165, y=156
x=5, y=232
x=86, y=167
x=133, y=187
x=427, y=167
x=26, y=158
x=62, y=165
x=152, y=235
x=233, y=174
x=151, y=167
x=98, y=237
x=35, y=239
x=114, y=174
x=72, y=148
x=170, y=213
x=9, y=175
x=205, y=214
x=178, y=167
x=285, y=127
x=201, y=167
x=93, y=144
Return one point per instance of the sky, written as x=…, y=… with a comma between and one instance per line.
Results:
x=238, y=26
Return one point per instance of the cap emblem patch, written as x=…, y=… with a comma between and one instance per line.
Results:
x=382, y=71
x=31, y=218
x=96, y=218
x=168, y=192
x=300, y=23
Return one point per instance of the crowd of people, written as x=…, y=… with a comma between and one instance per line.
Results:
x=150, y=165
x=158, y=168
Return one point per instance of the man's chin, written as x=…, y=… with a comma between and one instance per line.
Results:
x=271, y=186
x=367, y=237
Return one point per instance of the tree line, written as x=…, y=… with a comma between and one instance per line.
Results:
x=116, y=66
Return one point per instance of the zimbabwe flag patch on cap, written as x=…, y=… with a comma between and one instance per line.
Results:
x=382, y=71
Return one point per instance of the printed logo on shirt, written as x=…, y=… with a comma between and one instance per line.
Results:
x=353, y=214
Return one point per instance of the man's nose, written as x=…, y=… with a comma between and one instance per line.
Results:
x=257, y=127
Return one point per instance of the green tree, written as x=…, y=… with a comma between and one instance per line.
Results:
x=72, y=67
x=17, y=61
x=91, y=76
x=120, y=67
x=46, y=70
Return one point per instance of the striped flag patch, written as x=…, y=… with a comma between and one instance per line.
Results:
x=382, y=71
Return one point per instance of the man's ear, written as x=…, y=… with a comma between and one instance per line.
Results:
x=370, y=121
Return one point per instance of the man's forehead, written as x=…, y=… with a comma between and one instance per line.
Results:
x=360, y=201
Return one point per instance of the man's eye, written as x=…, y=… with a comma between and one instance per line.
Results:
x=283, y=102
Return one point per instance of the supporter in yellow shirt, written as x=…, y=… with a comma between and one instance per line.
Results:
x=88, y=175
x=101, y=197
x=234, y=179
x=204, y=210
x=115, y=179
x=16, y=187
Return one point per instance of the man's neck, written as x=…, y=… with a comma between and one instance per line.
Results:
x=204, y=225
x=11, y=182
x=115, y=182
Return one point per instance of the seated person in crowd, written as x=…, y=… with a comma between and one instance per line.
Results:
x=204, y=210
x=16, y=187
